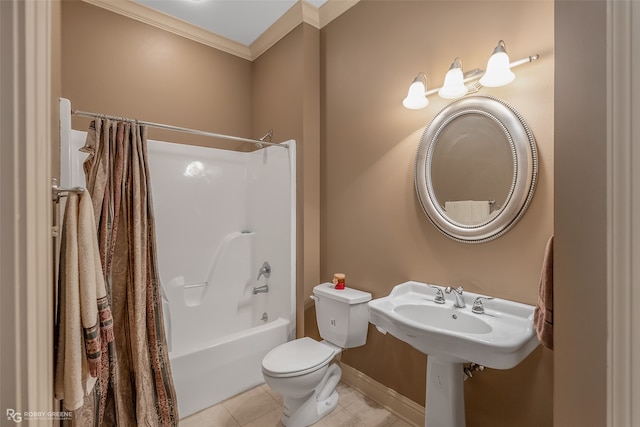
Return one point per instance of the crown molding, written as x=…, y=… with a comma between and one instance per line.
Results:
x=310, y=14
x=300, y=12
x=174, y=25
x=334, y=8
x=287, y=22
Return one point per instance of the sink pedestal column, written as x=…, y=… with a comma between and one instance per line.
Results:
x=445, y=394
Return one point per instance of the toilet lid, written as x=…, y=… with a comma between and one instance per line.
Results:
x=297, y=357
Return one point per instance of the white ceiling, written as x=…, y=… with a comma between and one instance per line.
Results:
x=242, y=21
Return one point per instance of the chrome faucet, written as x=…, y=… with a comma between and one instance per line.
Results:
x=457, y=294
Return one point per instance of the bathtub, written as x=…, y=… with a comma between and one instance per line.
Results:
x=233, y=361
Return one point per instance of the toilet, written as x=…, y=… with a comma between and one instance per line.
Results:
x=301, y=370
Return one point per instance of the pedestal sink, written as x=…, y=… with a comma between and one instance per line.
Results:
x=498, y=334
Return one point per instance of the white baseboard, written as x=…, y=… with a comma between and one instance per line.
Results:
x=393, y=401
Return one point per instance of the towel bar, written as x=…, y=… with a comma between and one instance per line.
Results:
x=57, y=192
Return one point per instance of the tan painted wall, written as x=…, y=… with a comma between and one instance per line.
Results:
x=286, y=97
x=115, y=65
x=373, y=228
x=580, y=382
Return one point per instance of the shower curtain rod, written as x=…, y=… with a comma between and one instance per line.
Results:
x=259, y=142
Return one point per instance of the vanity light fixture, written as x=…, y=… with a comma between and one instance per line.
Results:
x=498, y=73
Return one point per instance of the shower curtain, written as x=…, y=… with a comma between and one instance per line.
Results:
x=136, y=388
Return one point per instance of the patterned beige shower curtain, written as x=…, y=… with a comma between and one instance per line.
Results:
x=136, y=388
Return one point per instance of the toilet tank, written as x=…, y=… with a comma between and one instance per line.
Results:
x=342, y=315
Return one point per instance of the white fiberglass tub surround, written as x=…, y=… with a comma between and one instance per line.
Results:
x=220, y=215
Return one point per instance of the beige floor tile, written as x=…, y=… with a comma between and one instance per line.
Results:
x=348, y=396
x=402, y=423
x=339, y=418
x=271, y=419
x=372, y=414
x=262, y=407
x=215, y=416
x=251, y=405
x=277, y=396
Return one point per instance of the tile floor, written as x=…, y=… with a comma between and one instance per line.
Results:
x=261, y=407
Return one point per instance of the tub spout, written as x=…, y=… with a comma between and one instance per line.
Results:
x=261, y=289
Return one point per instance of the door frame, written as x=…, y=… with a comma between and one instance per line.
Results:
x=623, y=215
x=26, y=297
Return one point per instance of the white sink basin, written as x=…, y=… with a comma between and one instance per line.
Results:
x=500, y=338
x=443, y=318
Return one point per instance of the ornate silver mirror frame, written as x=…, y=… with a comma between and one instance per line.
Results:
x=462, y=135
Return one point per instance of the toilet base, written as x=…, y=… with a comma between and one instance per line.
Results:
x=308, y=410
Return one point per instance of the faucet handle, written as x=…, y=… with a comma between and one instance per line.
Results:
x=458, y=290
x=265, y=270
x=478, y=308
x=439, y=299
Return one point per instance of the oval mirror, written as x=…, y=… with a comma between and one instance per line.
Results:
x=476, y=169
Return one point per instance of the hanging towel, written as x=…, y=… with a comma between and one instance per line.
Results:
x=83, y=309
x=543, y=315
x=468, y=212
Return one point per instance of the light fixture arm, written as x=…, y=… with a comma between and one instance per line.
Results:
x=524, y=60
x=423, y=76
x=457, y=62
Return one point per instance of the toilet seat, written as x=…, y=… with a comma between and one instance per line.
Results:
x=297, y=357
